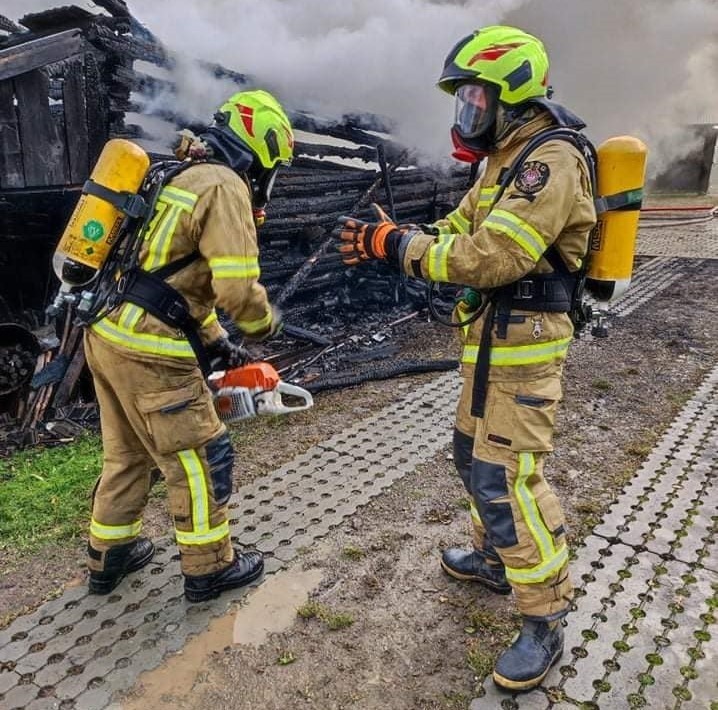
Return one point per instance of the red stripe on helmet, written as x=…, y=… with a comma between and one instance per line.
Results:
x=491, y=54
x=246, y=113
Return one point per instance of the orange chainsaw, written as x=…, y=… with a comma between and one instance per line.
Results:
x=252, y=389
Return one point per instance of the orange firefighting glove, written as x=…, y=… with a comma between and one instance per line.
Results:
x=362, y=241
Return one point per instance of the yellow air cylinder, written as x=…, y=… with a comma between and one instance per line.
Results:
x=621, y=171
x=95, y=223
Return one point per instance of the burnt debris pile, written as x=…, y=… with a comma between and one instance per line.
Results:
x=71, y=79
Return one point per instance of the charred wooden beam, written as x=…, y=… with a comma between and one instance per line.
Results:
x=7, y=25
x=133, y=80
x=116, y=8
x=323, y=151
x=57, y=18
x=73, y=99
x=128, y=47
x=11, y=167
x=43, y=149
x=37, y=53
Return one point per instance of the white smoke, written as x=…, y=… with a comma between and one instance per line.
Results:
x=333, y=58
x=643, y=67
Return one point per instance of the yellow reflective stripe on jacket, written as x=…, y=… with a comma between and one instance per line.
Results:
x=487, y=196
x=444, y=228
x=459, y=223
x=552, y=559
x=509, y=355
x=255, y=326
x=235, y=267
x=517, y=229
x=201, y=532
x=438, y=266
x=475, y=517
x=176, y=196
x=114, y=532
x=171, y=203
x=142, y=342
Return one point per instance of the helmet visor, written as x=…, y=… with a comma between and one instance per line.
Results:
x=475, y=109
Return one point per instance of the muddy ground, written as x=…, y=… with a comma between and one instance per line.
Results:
x=384, y=628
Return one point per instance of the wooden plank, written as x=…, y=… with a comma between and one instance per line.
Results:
x=73, y=98
x=96, y=103
x=11, y=172
x=25, y=57
x=43, y=148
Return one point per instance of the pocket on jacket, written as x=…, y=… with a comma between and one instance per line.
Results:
x=178, y=419
x=521, y=415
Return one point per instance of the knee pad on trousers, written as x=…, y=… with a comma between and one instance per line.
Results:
x=488, y=483
x=220, y=457
x=463, y=448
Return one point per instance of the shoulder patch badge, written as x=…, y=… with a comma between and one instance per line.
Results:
x=532, y=177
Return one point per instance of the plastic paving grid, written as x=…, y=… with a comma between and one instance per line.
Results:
x=696, y=241
x=643, y=632
x=77, y=650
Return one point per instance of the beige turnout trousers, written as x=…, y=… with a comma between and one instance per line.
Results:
x=516, y=516
x=157, y=412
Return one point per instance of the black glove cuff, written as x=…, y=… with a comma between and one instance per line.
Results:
x=392, y=245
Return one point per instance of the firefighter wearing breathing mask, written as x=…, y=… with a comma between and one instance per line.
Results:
x=156, y=410
x=520, y=248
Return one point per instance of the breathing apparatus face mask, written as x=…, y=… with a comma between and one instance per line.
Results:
x=474, y=121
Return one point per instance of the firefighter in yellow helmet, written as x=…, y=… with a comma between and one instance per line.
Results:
x=156, y=410
x=517, y=239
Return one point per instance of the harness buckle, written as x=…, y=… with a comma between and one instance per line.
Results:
x=524, y=289
x=177, y=312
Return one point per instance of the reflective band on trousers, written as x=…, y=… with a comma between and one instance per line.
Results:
x=438, y=266
x=235, y=267
x=517, y=229
x=510, y=355
x=475, y=517
x=552, y=559
x=114, y=532
x=201, y=532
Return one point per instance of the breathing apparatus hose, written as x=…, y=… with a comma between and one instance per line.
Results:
x=673, y=221
x=475, y=314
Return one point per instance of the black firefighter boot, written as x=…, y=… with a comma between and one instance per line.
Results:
x=474, y=566
x=119, y=561
x=245, y=568
x=526, y=662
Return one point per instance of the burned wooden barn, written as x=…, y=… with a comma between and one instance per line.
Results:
x=69, y=81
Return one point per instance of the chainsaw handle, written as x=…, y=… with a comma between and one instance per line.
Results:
x=274, y=405
x=286, y=388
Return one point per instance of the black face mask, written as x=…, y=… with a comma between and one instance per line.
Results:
x=261, y=182
x=227, y=148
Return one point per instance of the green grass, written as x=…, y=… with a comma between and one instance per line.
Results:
x=45, y=493
x=334, y=621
